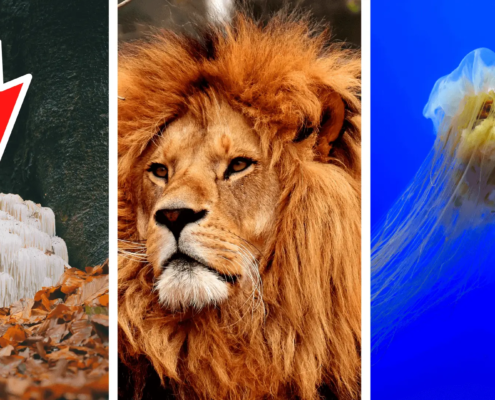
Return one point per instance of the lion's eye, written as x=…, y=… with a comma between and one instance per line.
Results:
x=159, y=170
x=238, y=164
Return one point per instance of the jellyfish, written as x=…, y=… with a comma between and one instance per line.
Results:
x=31, y=256
x=438, y=240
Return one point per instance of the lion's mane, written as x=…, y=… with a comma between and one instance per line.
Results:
x=307, y=335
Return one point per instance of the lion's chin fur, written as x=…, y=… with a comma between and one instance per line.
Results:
x=194, y=286
x=305, y=334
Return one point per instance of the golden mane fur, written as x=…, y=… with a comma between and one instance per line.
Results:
x=280, y=77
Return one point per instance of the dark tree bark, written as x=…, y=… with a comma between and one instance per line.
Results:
x=58, y=151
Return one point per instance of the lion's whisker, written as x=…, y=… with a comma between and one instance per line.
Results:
x=246, y=242
x=251, y=264
x=125, y=251
x=137, y=241
x=236, y=236
x=132, y=241
x=132, y=259
x=131, y=250
x=253, y=292
x=254, y=264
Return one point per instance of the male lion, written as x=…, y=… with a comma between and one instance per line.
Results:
x=239, y=215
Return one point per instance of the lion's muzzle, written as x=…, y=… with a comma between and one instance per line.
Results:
x=187, y=280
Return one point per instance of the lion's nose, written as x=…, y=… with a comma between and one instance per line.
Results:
x=176, y=220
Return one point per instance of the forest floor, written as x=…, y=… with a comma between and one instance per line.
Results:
x=55, y=346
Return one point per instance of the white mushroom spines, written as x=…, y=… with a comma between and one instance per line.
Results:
x=47, y=219
x=8, y=290
x=60, y=248
x=31, y=256
x=10, y=244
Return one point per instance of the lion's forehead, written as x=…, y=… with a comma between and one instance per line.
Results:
x=222, y=135
x=197, y=152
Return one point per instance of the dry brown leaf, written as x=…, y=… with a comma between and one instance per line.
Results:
x=58, y=332
x=4, y=342
x=3, y=329
x=72, y=300
x=15, y=333
x=71, y=283
x=7, y=350
x=34, y=319
x=64, y=312
x=101, y=327
x=26, y=313
x=50, y=292
x=64, y=354
x=39, y=311
x=40, y=348
x=81, y=330
x=18, y=306
x=104, y=300
x=46, y=302
x=94, y=288
x=50, y=348
x=24, y=353
x=17, y=386
x=100, y=319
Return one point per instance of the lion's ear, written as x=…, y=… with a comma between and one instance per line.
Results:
x=336, y=137
x=331, y=124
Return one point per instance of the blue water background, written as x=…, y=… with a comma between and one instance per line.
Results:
x=449, y=352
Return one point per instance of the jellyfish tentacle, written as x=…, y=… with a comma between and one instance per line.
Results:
x=435, y=241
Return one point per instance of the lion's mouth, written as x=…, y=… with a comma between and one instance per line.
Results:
x=185, y=262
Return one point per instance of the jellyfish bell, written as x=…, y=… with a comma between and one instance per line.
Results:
x=474, y=75
x=437, y=240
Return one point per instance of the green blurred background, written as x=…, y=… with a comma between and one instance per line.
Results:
x=137, y=18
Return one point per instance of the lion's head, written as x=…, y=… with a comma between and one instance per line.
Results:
x=207, y=206
x=239, y=214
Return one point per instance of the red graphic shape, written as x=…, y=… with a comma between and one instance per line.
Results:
x=11, y=97
x=8, y=100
